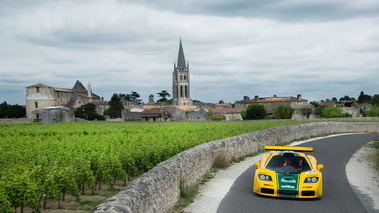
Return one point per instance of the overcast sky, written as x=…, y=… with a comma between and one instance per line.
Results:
x=318, y=48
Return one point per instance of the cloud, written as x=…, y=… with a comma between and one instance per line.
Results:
x=283, y=11
x=234, y=48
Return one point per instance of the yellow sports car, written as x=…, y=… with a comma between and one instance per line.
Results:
x=288, y=172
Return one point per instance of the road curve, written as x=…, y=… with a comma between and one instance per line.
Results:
x=334, y=153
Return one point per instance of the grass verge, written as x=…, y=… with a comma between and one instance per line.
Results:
x=375, y=156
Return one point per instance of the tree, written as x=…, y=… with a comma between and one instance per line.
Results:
x=283, y=112
x=163, y=96
x=314, y=103
x=3, y=109
x=115, y=107
x=243, y=114
x=130, y=97
x=363, y=98
x=345, y=98
x=221, y=102
x=375, y=100
x=255, y=111
x=88, y=111
x=16, y=111
x=134, y=97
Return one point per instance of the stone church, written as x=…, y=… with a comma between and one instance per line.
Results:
x=40, y=96
x=181, y=81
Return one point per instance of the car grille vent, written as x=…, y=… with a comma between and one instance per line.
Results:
x=287, y=192
x=308, y=193
x=267, y=191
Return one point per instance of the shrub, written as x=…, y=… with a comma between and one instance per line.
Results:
x=88, y=111
x=333, y=112
x=373, y=112
x=283, y=112
x=221, y=160
x=255, y=111
x=306, y=111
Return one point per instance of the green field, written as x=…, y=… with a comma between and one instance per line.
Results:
x=46, y=162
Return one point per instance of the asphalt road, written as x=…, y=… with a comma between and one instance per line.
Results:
x=334, y=153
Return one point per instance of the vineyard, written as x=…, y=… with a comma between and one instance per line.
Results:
x=39, y=162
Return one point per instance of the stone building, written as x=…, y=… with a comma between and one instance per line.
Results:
x=39, y=96
x=181, y=81
x=351, y=107
x=273, y=102
x=223, y=105
x=231, y=114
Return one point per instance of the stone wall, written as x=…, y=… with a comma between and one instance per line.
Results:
x=56, y=114
x=196, y=116
x=158, y=189
x=16, y=120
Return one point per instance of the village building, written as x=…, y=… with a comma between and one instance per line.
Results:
x=155, y=114
x=231, y=114
x=351, y=107
x=271, y=103
x=223, y=105
x=40, y=96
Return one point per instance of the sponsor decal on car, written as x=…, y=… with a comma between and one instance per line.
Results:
x=287, y=184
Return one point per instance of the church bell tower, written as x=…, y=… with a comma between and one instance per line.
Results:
x=181, y=81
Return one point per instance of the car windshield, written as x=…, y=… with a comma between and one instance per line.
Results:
x=288, y=164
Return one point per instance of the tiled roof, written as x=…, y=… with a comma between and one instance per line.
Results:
x=38, y=85
x=102, y=103
x=227, y=110
x=277, y=99
x=154, y=112
x=223, y=105
x=187, y=108
x=85, y=94
x=62, y=89
x=79, y=87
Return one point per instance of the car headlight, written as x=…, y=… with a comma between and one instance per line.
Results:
x=265, y=177
x=311, y=180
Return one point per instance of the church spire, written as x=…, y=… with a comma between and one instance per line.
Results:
x=181, y=61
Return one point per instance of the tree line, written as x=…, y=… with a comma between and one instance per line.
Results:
x=12, y=111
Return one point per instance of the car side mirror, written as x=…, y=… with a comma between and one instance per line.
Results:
x=320, y=166
x=258, y=164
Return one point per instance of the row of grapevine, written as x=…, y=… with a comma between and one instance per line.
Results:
x=46, y=162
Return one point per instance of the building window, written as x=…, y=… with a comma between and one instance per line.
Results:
x=185, y=77
x=37, y=88
x=36, y=104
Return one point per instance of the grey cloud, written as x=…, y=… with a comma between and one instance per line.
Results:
x=288, y=10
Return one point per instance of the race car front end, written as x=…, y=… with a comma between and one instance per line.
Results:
x=288, y=173
x=303, y=185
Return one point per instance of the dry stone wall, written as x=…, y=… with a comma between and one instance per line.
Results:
x=158, y=189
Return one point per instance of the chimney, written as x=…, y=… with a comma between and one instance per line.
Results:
x=256, y=98
x=151, y=98
x=299, y=97
x=246, y=99
x=89, y=92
